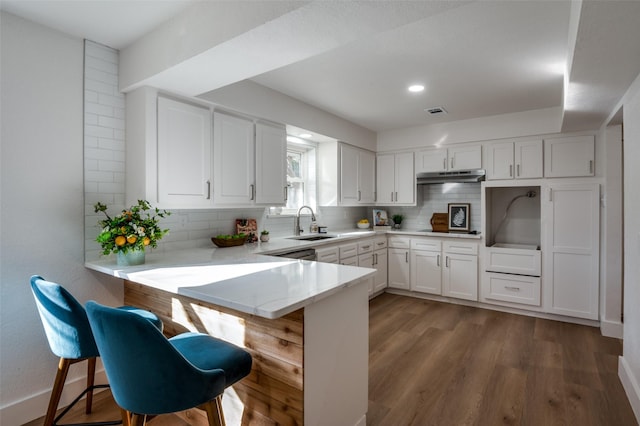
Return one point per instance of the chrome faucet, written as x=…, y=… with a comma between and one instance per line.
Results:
x=296, y=226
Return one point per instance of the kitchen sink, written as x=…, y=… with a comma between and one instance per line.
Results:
x=311, y=237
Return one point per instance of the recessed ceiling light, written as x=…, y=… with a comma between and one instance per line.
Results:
x=305, y=135
x=415, y=88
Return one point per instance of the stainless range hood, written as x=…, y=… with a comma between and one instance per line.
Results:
x=459, y=176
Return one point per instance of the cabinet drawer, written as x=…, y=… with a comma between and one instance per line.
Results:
x=399, y=242
x=460, y=247
x=513, y=261
x=348, y=250
x=365, y=246
x=380, y=243
x=513, y=288
x=328, y=255
x=426, y=244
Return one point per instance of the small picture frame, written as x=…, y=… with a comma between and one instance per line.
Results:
x=459, y=214
x=380, y=218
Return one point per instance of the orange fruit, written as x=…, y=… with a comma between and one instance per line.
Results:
x=120, y=240
x=146, y=241
x=131, y=239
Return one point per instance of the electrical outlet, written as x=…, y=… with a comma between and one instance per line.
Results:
x=182, y=220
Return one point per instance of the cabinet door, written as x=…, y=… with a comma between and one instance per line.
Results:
x=499, y=161
x=431, y=160
x=405, y=179
x=366, y=261
x=460, y=276
x=528, y=159
x=366, y=177
x=398, y=263
x=385, y=179
x=569, y=156
x=426, y=275
x=572, y=254
x=348, y=175
x=271, y=164
x=380, y=263
x=328, y=255
x=233, y=157
x=465, y=157
x=184, y=154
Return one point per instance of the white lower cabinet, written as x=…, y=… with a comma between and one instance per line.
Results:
x=398, y=263
x=348, y=254
x=512, y=288
x=460, y=276
x=328, y=254
x=444, y=268
x=380, y=264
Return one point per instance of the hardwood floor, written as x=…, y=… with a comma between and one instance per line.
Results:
x=440, y=364
x=433, y=363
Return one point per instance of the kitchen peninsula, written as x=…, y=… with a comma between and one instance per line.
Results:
x=305, y=324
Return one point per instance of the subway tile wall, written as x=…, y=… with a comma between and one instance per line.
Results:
x=104, y=139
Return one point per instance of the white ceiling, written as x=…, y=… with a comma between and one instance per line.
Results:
x=476, y=58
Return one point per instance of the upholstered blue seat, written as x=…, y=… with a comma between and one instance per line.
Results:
x=69, y=335
x=150, y=374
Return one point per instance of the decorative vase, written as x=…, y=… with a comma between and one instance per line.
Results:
x=130, y=258
x=264, y=238
x=397, y=225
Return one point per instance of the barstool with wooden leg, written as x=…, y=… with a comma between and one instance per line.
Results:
x=152, y=375
x=69, y=334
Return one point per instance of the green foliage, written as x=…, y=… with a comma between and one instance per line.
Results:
x=133, y=229
x=397, y=218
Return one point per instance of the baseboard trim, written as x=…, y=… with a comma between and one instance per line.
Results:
x=362, y=421
x=611, y=329
x=630, y=385
x=35, y=406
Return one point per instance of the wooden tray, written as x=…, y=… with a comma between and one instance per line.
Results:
x=440, y=222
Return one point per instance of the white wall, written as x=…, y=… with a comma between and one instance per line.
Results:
x=260, y=101
x=42, y=206
x=630, y=361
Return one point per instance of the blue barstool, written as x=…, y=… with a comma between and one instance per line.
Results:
x=152, y=375
x=69, y=334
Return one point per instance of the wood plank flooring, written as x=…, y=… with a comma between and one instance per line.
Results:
x=433, y=363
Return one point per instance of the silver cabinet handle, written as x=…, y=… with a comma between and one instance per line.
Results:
x=375, y=258
x=452, y=162
x=253, y=192
x=444, y=164
x=512, y=288
x=550, y=194
x=208, y=190
x=391, y=195
x=590, y=166
x=438, y=260
x=396, y=197
x=518, y=170
x=510, y=170
x=359, y=196
x=446, y=261
x=286, y=194
x=406, y=257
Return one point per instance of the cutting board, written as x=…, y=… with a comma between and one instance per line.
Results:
x=440, y=222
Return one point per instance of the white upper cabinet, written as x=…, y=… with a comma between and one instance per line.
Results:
x=249, y=168
x=233, y=153
x=514, y=160
x=463, y=157
x=271, y=164
x=395, y=179
x=569, y=156
x=184, y=154
x=357, y=175
x=346, y=175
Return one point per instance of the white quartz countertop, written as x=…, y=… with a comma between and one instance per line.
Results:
x=239, y=278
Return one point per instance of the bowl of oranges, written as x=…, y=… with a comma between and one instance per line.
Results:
x=363, y=224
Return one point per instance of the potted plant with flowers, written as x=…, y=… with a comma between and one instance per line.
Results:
x=129, y=233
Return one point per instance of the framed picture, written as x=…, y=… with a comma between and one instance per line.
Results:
x=380, y=218
x=459, y=214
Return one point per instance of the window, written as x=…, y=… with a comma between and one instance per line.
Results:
x=301, y=177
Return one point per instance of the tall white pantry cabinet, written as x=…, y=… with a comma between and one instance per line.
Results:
x=571, y=252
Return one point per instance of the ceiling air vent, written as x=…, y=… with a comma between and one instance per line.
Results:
x=436, y=111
